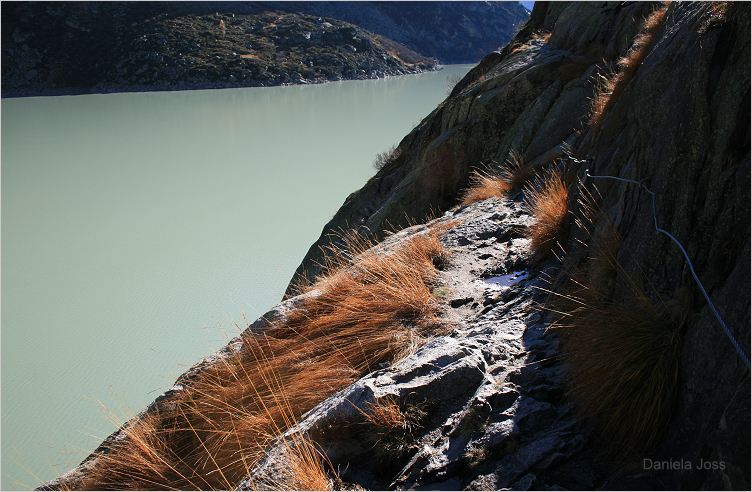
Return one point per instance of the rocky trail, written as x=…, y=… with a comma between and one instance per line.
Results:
x=488, y=392
x=492, y=387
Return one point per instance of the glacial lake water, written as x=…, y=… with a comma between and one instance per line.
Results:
x=137, y=228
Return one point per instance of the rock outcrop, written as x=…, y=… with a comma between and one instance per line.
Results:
x=529, y=99
x=495, y=413
x=489, y=404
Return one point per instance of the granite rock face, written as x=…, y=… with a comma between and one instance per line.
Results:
x=496, y=416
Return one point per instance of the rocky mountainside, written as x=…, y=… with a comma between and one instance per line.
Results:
x=65, y=47
x=576, y=329
x=452, y=32
x=587, y=86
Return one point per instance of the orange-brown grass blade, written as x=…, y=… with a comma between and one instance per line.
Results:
x=388, y=430
x=304, y=466
x=610, y=86
x=548, y=204
x=484, y=185
x=538, y=37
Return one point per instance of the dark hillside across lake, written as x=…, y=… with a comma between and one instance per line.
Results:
x=94, y=47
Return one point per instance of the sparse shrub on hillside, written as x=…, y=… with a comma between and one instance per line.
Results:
x=610, y=85
x=370, y=308
x=451, y=82
x=547, y=200
x=621, y=355
x=384, y=159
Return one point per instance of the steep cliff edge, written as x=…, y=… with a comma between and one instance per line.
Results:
x=590, y=361
x=529, y=99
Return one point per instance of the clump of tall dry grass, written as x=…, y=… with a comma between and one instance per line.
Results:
x=547, y=200
x=718, y=13
x=303, y=467
x=484, y=185
x=621, y=353
x=610, y=86
x=356, y=317
x=391, y=429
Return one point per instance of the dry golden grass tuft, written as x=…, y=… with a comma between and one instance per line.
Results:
x=304, y=467
x=386, y=414
x=621, y=355
x=484, y=185
x=479, y=80
x=719, y=12
x=610, y=86
x=391, y=429
x=357, y=317
x=602, y=99
x=547, y=201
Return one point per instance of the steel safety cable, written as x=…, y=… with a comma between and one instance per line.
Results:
x=684, y=252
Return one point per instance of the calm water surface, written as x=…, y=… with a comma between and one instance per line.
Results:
x=137, y=227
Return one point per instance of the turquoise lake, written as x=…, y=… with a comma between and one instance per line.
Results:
x=139, y=229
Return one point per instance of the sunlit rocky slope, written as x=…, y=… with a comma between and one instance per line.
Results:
x=546, y=330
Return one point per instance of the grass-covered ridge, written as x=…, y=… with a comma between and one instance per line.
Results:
x=354, y=318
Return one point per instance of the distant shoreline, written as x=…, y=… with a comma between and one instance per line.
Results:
x=115, y=89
